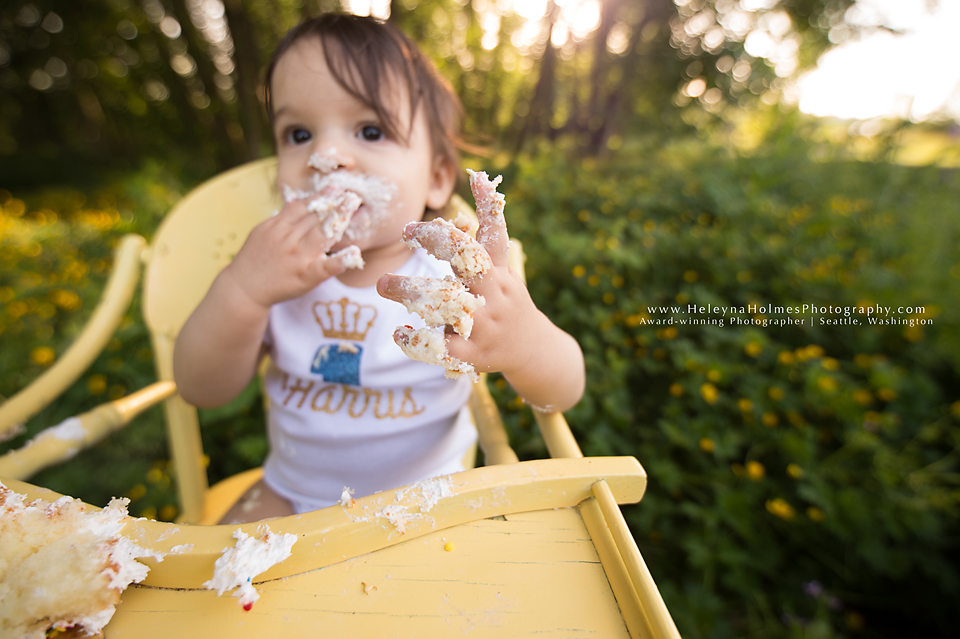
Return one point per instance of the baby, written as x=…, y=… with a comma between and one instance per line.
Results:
x=365, y=132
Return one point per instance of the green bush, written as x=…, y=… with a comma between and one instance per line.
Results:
x=802, y=478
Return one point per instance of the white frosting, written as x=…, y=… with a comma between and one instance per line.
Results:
x=442, y=302
x=490, y=205
x=429, y=345
x=70, y=429
x=351, y=257
x=326, y=161
x=251, y=556
x=447, y=241
x=397, y=516
x=428, y=492
x=334, y=209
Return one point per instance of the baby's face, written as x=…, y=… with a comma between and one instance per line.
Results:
x=324, y=135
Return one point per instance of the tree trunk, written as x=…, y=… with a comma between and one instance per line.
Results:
x=246, y=60
x=228, y=150
x=541, y=104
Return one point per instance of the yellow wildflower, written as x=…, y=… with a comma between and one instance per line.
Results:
x=706, y=445
x=97, y=384
x=753, y=349
x=755, y=470
x=67, y=300
x=887, y=394
x=676, y=389
x=42, y=356
x=780, y=508
x=827, y=384
x=709, y=393
x=770, y=420
x=786, y=358
x=815, y=514
x=794, y=471
x=830, y=364
x=745, y=404
x=775, y=393
x=796, y=418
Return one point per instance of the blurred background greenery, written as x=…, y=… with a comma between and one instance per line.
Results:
x=804, y=480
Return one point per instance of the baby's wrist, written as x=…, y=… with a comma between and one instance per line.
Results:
x=239, y=294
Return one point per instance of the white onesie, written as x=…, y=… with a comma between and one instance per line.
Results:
x=346, y=407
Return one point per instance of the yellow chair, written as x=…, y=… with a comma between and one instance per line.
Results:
x=519, y=548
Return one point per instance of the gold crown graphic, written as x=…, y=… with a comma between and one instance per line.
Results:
x=344, y=319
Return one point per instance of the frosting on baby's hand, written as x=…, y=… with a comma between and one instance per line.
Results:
x=448, y=301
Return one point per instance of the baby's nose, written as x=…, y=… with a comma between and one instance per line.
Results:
x=329, y=159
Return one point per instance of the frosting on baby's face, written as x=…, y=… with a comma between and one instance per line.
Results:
x=376, y=195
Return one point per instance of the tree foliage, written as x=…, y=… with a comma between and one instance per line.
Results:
x=114, y=80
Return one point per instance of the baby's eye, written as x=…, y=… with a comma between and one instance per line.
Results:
x=298, y=136
x=371, y=133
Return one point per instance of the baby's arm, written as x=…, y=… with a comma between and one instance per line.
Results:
x=542, y=363
x=284, y=257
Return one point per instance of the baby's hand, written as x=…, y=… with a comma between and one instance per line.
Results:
x=286, y=256
x=487, y=303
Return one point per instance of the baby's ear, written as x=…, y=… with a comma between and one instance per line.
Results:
x=442, y=181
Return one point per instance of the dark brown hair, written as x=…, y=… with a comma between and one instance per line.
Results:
x=364, y=56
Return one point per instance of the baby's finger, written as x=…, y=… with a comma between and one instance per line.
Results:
x=439, y=302
x=430, y=346
x=349, y=257
x=462, y=350
x=395, y=287
x=445, y=241
x=492, y=233
x=334, y=212
x=327, y=266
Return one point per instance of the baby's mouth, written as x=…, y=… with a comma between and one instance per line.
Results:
x=375, y=196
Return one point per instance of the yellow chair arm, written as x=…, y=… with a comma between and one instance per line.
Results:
x=96, y=334
x=557, y=435
x=494, y=441
x=60, y=443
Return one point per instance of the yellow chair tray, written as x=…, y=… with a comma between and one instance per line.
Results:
x=517, y=550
